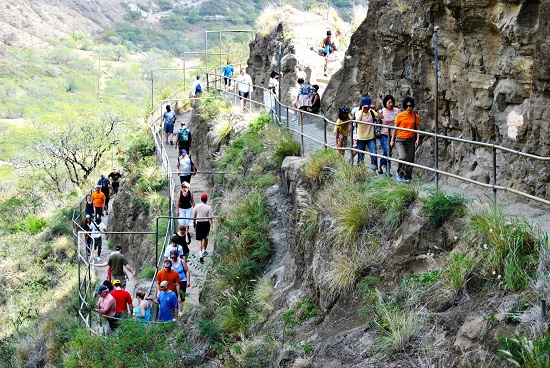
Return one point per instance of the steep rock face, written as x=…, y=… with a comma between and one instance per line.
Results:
x=493, y=79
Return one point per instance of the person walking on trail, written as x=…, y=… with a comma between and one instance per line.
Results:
x=273, y=84
x=185, y=167
x=244, y=86
x=180, y=266
x=168, y=303
x=98, y=229
x=389, y=113
x=171, y=277
x=115, y=178
x=143, y=311
x=105, y=189
x=325, y=44
x=89, y=206
x=87, y=227
x=106, y=306
x=365, y=132
x=123, y=299
x=227, y=72
x=305, y=94
x=183, y=238
x=118, y=262
x=202, y=222
x=406, y=142
x=169, y=120
x=342, y=128
x=173, y=246
x=99, y=201
x=196, y=88
x=183, y=138
x=184, y=205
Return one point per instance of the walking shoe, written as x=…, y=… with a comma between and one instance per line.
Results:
x=106, y=213
x=204, y=254
x=408, y=181
x=171, y=143
x=98, y=259
x=180, y=314
x=398, y=177
x=201, y=260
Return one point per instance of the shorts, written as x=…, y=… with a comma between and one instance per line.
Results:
x=168, y=128
x=244, y=94
x=227, y=81
x=115, y=187
x=203, y=229
x=97, y=244
x=99, y=211
x=188, y=214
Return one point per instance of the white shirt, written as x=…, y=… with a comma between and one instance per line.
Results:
x=194, y=87
x=245, y=83
x=96, y=230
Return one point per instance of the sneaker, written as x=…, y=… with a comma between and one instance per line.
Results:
x=106, y=213
x=398, y=177
x=408, y=181
x=98, y=259
x=180, y=314
x=201, y=260
x=204, y=254
x=171, y=143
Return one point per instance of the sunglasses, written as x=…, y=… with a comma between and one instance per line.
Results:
x=409, y=105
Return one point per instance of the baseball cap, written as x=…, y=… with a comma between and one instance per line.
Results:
x=204, y=196
x=118, y=247
x=117, y=282
x=198, y=76
x=101, y=289
x=365, y=101
x=183, y=152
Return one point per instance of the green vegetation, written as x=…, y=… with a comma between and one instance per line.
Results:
x=525, y=352
x=300, y=313
x=439, y=206
x=457, y=272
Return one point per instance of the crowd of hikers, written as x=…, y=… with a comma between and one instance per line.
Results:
x=174, y=278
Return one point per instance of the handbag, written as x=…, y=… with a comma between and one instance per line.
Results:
x=377, y=129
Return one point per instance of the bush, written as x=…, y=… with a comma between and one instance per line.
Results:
x=439, y=206
x=523, y=351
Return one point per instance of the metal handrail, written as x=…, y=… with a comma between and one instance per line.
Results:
x=276, y=115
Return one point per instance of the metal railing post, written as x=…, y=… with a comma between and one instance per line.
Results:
x=494, y=176
x=302, y=134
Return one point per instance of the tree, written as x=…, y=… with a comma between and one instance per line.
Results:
x=73, y=148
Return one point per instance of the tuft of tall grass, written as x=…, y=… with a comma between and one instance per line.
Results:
x=255, y=352
x=286, y=146
x=457, y=271
x=505, y=245
x=523, y=351
x=439, y=206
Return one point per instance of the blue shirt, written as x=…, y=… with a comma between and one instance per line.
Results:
x=168, y=301
x=228, y=70
x=103, y=180
x=170, y=117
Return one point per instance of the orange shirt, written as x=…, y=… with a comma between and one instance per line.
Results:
x=172, y=277
x=98, y=198
x=406, y=120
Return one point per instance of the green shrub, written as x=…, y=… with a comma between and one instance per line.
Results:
x=255, y=353
x=31, y=224
x=457, y=272
x=439, y=206
x=523, y=351
x=286, y=146
x=147, y=272
x=142, y=145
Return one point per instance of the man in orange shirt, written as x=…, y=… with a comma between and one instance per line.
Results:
x=406, y=142
x=171, y=276
x=99, y=201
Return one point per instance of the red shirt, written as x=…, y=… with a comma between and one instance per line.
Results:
x=122, y=298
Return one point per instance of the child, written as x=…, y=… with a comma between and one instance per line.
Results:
x=342, y=128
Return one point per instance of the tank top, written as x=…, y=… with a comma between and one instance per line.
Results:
x=180, y=270
x=89, y=207
x=147, y=317
x=185, y=201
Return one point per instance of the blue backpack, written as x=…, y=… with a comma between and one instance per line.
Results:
x=198, y=89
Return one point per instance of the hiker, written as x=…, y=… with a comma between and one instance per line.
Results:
x=202, y=222
x=173, y=246
x=342, y=128
x=123, y=299
x=168, y=302
x=115, y=177
x=105, y=189
x=273, y=84
x=305, y=93
x=185, y=167
x=406, y=142
x=227, y=72
x=118, y=262
x=169, y=119
x=325, y=44
x=86, y=226
x=196, y=88
x=98, y=228
x=183, y=238
x=89, y=206
x=170, y=276
x=99, y=201
x=244, y=86
x=183, y=138
x=143, y=310
x=315, y=101
x=184, y=205
x=389, y=112
x=180, y=266
x=365, y=132
x=106, y=305
x=332, y=61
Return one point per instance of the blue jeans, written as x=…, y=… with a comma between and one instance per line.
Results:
x=387, y=151
x=361, y=145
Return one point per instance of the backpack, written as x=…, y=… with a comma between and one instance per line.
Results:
x=183, y=136
x=198, y=89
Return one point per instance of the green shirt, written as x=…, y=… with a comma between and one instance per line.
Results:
x=117, y=262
